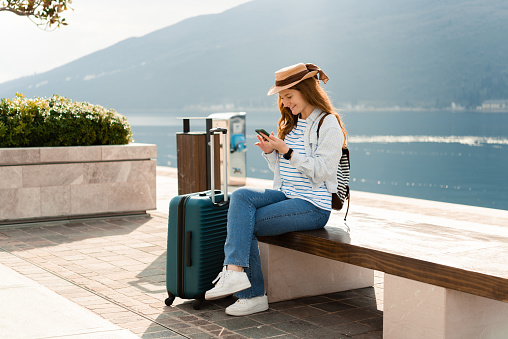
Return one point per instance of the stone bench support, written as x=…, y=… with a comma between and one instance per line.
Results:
x=416, y=310
x=291, y=274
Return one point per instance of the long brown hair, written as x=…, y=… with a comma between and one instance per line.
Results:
x=316, y=96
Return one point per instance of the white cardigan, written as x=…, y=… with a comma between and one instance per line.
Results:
x=323, y=155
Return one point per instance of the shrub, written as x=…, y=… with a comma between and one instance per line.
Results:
x=59, y=121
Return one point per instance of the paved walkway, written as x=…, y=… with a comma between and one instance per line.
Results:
x=30, y=310
x=105, y=278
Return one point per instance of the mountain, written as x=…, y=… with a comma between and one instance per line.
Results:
x=393, y=52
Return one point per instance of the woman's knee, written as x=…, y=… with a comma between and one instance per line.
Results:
x=244, y=192
x=239, y=192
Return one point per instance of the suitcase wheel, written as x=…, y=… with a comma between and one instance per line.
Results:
x=170, y=299
x=196, y=304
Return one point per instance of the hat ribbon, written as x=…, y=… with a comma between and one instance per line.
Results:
x=298, y=76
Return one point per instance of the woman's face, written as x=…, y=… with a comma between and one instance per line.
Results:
x=293, y=99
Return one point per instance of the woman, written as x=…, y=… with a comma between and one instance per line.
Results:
x=304, y=169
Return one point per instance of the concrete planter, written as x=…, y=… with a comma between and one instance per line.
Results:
x=69, y=182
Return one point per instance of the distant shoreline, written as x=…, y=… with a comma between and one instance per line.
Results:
x=208, y=110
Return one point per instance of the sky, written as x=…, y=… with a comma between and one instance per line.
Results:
x=26, y=49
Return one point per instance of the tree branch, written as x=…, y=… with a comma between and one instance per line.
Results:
x=17, y=11
x=48, y=12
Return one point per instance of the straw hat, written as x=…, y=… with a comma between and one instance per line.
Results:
x=289, y=76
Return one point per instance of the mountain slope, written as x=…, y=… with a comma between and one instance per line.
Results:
x=382, y=53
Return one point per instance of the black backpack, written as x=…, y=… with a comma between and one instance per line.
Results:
x=343, y=194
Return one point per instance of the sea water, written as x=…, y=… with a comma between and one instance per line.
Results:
x=458, y=157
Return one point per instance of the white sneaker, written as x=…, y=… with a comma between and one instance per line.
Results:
x=228, y=283
x=248, y=306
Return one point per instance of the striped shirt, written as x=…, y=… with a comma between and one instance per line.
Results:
x=294, y=183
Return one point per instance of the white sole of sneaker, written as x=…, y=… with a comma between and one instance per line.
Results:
x=238, y=313
x=212, y=295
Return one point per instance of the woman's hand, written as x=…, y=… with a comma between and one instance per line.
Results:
x=264, y=144
x=272, y=143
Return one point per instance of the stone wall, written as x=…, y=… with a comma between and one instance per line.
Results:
x=66, y=182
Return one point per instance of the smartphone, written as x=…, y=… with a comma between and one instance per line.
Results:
x=262, y=131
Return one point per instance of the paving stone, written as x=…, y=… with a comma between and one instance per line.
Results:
x=360, y=301
x=282, y=305
x=224, y=333
x=214, y=315
x=188, y=318
x=260, y=332
x=304, y=312
x=376, y=323
x=191, y=330
x=237, y=323
x=328, y=319
x=225, y=302
x=351, y=328
x=313, y=300
x=333, y=306
x=201, y=335
x=296, y=326
x=271, y=317
x=201, y=323
x=170, y=322
x=234, y=336
x=369, y=335
x=322, y=333
x=160, y=335
x=211, y=327
x=147, y=329
x=357, y=314
x=342, y=295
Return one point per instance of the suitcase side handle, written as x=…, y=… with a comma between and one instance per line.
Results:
x=188, y=238
x=212, y=163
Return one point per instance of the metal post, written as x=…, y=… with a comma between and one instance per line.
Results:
x=209, y=183
x=186, y=126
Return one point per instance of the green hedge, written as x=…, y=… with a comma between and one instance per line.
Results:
x=59, y=121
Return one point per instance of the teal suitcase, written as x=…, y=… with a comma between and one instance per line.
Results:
x=196, y=237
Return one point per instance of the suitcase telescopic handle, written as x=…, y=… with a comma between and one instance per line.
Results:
x=212, y=162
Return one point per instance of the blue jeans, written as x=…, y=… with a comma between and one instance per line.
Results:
x=263, y=212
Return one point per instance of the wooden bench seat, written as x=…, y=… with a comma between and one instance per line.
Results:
x=446, y=266
x=329, y=243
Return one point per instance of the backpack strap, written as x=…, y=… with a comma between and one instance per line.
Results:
x=320, y=123
x=348, y=198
